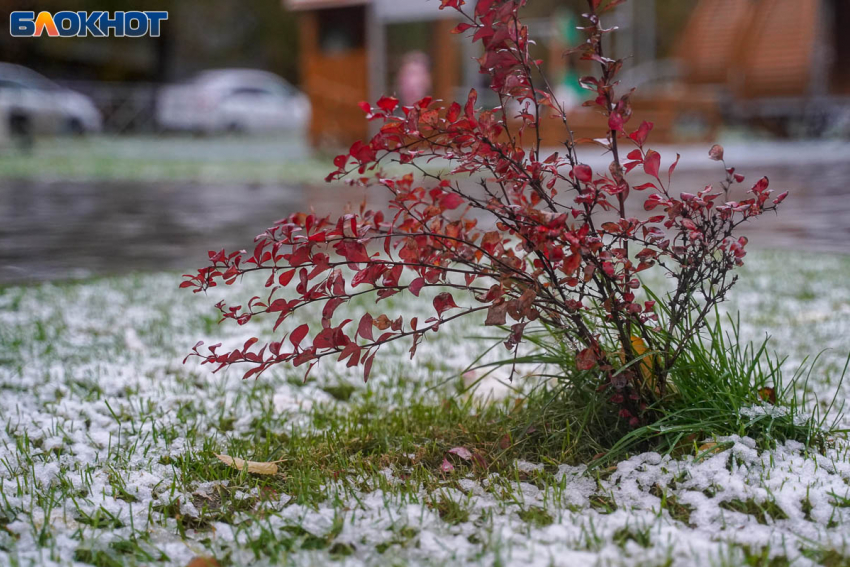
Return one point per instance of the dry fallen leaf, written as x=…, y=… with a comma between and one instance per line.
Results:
x=711, y=448
x=202, y=562
x=461, y=452
x=768, y=395
x=251, y=466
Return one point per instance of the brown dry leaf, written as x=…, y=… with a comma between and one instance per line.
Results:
x=768, y=395
x=202, y=562
x=711, y=447
x=251, y=466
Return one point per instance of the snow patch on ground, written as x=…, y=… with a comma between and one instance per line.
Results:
x=93, y=388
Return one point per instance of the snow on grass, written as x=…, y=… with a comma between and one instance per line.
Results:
x=107, y=442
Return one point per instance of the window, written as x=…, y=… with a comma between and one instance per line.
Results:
x=342, y=29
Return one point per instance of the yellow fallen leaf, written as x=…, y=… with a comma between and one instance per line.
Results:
x=647, y=366
x=251, y=466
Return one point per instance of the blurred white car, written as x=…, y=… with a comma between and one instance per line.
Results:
x=33, y=104
x=233, y=100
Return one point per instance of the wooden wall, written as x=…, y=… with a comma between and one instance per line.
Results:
x=335, y=83
x=776, y=54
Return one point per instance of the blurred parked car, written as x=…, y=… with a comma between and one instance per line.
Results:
x=233, y=100
x=33, y=104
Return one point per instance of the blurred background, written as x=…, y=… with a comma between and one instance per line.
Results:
x=120, y=154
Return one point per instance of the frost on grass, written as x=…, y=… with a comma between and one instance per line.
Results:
x=107, y=450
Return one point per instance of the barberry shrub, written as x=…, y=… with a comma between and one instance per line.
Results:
x=503, y=232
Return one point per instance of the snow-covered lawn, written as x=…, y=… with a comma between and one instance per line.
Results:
x=107, y=446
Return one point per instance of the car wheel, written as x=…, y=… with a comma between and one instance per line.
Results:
x=75, y=127
x=19, y=124
x=20, y=127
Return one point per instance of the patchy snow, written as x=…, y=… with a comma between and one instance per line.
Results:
x=97, y=406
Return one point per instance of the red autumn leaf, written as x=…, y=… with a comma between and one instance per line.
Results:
x=354, y=252
x=639, y=136
x=761, y=185
x=454, y=112
x=583, y=173
x=298, y=334
x=496, y=314
x=387, y=103
x=451, y=201
x=652, y=163
x=469, y=108
x=446, y=466
x=444, y=302
x=364, y=329
x=673, y=168
x=586, y=359
x=615, y=122
x=416, y=285
x=367, y=366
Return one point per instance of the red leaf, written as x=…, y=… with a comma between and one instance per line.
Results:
x=387, y=103
x=446, y=466
x=367, y=366
x=451, y=201
x=364, y=329
x=416, y=285
x=469, y=108
x=586, y=359
x=298, y=334
x=583, y=173
x=496, y=314
x=760, y=185
x=673, y=168
x=444, y=302
x=462, y=27
x=615, y=122
x=639, y=135
x=453, y=113
x=652, y=163
x=354, y=252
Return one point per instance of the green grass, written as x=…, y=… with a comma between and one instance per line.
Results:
x=166, y=158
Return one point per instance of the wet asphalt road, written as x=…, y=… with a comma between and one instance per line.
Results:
x=60, y=229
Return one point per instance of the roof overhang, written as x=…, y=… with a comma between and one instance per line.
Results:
x=387, y=11
x=304, y=5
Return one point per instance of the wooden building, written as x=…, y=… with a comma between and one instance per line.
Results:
x=760, y=61
x=769, y=62
x=350, y=50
